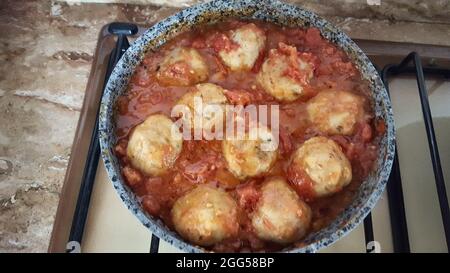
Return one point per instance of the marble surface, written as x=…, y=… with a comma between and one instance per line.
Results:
x=46, y=50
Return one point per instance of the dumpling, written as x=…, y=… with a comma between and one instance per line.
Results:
x=326, y=165
x=249, y=157
x=280, y=215
x=154, y=145
x=182, y=66
x=285, y=73
x=336, y=112
x=205, y=215
x=248, y=42
x=209, y=94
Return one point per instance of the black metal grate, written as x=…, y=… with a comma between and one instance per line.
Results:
x=121, y=30
x=395, y=192
x=394, y=186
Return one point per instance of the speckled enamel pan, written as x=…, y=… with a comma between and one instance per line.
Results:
x=272, y=11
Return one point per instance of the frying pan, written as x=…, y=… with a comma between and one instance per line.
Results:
x=279, y=13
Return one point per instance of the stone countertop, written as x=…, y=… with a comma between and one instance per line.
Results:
x=46, y=50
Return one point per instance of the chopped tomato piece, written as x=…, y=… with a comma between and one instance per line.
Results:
x=122, y=105
x=258, y=63
x=132, y=176
x=121, y=148
x=248, y=195
x=342, y=141
x=199, y=43
x=179, y=70
x=142, y=77
x=366, y=132
x=301, y=64
x=313, y=37
x=380, y=127
x=153, y=97
x=302, y=183
x=363, y=132
x=345, y=68
x=197, y=171
x=220, y=41
x=151, y=205
x=286, y=143
x=238, y=97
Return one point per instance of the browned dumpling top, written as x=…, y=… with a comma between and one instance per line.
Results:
x=280, y=215
x=182, y=66
x=324, y=162
x=249, y=41
x=285, y=73
x=205, y=215
x=154, y=145
x=336, y=112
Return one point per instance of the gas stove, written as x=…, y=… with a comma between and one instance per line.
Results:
x=412, y=215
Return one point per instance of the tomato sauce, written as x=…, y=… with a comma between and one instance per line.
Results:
x=202, y=161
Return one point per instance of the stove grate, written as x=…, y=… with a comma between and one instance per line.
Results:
x=394, y=186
